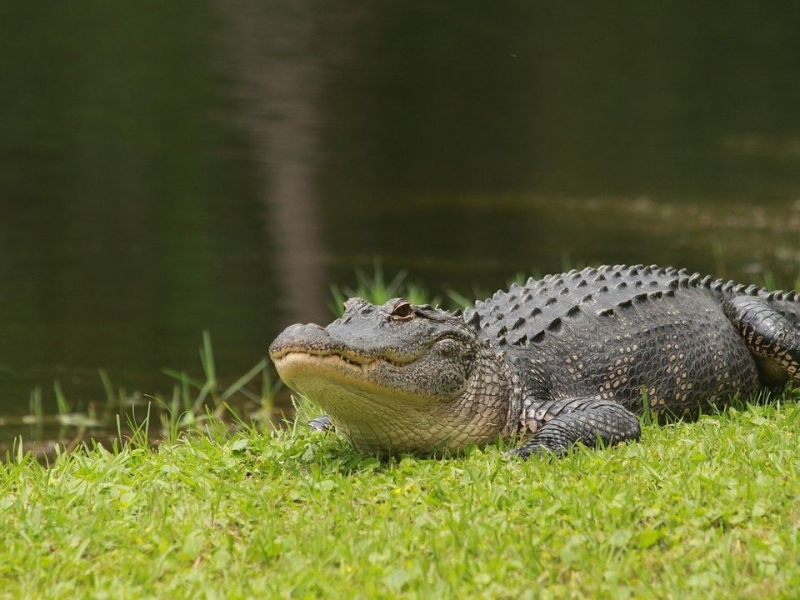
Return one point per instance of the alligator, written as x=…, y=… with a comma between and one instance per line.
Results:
x=571, y=358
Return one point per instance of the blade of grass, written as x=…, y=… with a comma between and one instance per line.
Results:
x=61, y=401
x=237, y=385
x=107, y=387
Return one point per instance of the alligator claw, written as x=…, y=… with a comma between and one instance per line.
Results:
x=321, y=424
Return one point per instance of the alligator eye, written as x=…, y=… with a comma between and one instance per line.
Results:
x=402, y=311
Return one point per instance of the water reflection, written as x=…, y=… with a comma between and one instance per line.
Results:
x=279, y=78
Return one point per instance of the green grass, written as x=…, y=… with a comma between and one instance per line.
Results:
x=700, y=510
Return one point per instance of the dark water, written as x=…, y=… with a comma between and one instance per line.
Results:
x=167, y=168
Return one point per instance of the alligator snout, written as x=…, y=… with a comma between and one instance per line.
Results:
x=304, y=337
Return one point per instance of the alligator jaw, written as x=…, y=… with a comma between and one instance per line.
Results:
x=308, y=372
x=288, y=361
x=349, y=358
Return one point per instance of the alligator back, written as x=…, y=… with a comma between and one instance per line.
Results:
x=628, y=333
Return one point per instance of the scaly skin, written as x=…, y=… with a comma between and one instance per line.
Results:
x=562, y=360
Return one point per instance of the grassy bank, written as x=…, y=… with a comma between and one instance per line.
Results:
x=708, y=509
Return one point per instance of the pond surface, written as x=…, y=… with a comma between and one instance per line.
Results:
x=170, y=168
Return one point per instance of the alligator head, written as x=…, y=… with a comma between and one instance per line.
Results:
x=398, y=377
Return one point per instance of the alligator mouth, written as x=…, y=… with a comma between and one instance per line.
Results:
x=325, y=377
x=304, y=358
x=335, y=352
x=326, y=359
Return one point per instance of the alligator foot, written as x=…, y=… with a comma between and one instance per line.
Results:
x=772, y=335
x=588, y=421
x=321, y=424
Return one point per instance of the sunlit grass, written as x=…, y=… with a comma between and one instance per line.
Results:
x=698, y=510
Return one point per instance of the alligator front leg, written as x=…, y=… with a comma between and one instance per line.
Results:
x=560, y=424
x=770, y=334
x=321, y=424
